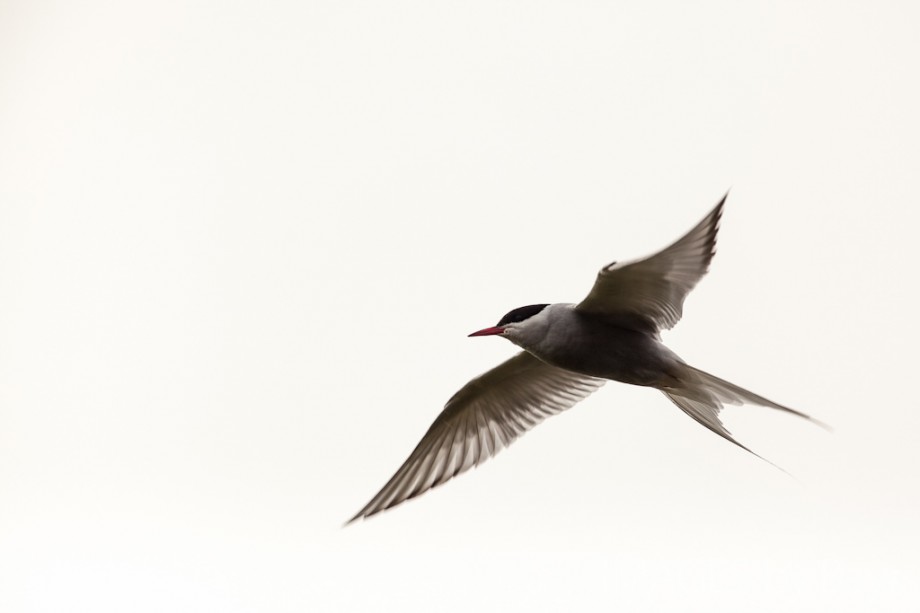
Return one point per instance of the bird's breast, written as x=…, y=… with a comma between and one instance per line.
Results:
x=607, y=351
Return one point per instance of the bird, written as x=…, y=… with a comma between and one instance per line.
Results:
x=568, y=352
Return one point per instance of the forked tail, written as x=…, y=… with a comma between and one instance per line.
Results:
x=702, y=396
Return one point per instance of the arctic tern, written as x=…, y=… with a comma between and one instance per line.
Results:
x=571, y=350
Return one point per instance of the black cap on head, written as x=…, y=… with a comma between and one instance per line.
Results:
x=521, y=313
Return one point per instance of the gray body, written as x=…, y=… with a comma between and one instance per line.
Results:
x=567, y=338
x=570, y=351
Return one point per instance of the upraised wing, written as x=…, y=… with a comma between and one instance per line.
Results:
x=650, y=292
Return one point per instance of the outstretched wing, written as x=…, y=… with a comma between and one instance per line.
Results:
x=486, y=415
x=650, y=292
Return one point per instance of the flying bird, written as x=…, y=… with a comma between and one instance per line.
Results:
x=571, y=350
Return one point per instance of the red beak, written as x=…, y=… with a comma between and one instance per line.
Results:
x=489, y=331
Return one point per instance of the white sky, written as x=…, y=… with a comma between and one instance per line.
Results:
x=241, y=246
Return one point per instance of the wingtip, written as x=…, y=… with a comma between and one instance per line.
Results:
x=717, y=210
x=362, y=514
x=720, y=206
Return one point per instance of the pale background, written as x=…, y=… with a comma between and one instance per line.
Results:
x=241, y=245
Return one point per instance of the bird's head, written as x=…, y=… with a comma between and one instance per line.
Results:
x=513, y=323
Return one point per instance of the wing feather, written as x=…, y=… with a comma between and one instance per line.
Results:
x=649, y=293
x=485, y=416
